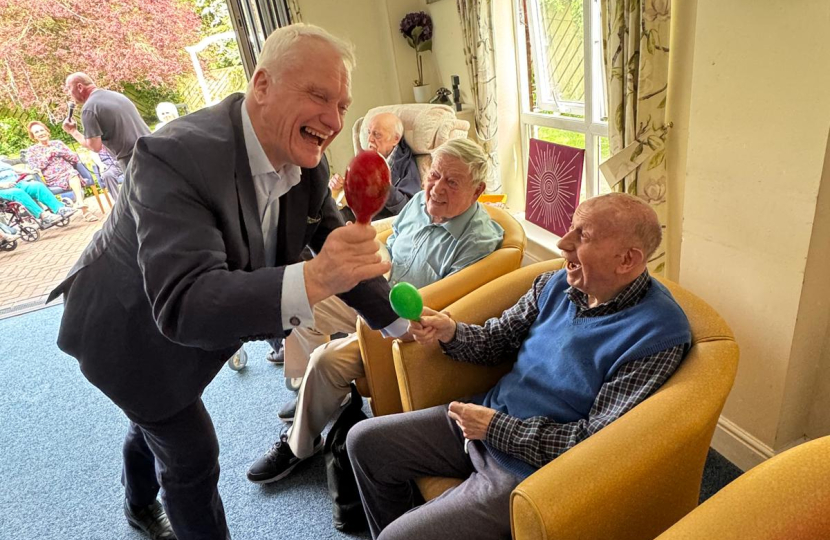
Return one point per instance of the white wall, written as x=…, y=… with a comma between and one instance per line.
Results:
x=759, y=114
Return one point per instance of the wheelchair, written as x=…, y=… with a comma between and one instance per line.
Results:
x=18, y=218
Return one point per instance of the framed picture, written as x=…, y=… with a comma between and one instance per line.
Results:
x=554, y=180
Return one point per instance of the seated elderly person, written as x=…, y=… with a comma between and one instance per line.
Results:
x=110, y=174
x=29, y=191
x=440, y=231
x=386, y=138
x=57, y=163
x=593, y=340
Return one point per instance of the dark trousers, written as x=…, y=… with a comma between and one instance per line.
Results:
x=180, y=454
x=389, y=452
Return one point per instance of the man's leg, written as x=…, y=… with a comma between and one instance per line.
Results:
x=478, y=509
x=325, y=385
x=331, y=316
x=389, y=452
x=187, y=464
x=19, y=196
x=39, y=192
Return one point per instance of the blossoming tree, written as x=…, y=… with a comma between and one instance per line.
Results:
x=113, y=41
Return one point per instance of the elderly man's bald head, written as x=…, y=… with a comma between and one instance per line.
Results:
x=631, y=218
x=79, y=86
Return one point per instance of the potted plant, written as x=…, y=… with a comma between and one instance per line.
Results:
x=417, y=30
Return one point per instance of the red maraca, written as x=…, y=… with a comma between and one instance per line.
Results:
x=367, y=185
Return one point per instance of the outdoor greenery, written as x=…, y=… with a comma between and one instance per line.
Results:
x=133, y=46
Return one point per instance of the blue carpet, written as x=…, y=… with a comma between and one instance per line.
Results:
x=61, y=447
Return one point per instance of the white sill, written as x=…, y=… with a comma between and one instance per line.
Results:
x=541, y=243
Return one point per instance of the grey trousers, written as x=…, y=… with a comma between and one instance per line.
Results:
x=389, y=452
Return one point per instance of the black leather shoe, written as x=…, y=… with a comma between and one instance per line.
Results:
x=287, y=412
x=151, y=520
x=277, y=356
x=278, y=461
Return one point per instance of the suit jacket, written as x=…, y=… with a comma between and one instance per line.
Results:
x=175, y=281
x=406, y=181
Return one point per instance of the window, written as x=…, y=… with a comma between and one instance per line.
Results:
x=559, y=44
x=253, y=21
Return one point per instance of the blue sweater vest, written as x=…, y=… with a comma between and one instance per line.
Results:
x=564, y=360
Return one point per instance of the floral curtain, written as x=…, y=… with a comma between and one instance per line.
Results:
x=635, y=40
x=477, y=28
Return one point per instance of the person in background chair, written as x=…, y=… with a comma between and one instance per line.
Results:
x=56, y=163
x=29, y=192
x=593, y=340
x=385, y=138
x=442, y=230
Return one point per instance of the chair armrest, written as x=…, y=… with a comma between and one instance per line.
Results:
x=636, y=480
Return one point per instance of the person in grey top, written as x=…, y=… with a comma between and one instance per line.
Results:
x=110, y=119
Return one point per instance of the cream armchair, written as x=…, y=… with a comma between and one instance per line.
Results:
x=380, y=383
x=630, y=481
x=425, y=128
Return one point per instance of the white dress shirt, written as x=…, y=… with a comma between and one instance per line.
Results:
x=270, y=185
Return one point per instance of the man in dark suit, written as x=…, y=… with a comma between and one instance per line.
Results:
x=201, y=254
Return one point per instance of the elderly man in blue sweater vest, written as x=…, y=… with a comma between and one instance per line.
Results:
x=593, y=340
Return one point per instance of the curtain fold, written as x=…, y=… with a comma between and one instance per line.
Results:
x=635, y=42
x=477, y=30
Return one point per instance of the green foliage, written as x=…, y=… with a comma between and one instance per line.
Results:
x=146, y=97
x=13, y=137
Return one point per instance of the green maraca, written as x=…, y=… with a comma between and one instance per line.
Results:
x=406, y=301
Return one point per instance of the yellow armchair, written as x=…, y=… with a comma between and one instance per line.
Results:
x=785, y=498
x=630, y=481
x=380, y=383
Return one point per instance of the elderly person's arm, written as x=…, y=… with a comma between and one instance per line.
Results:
x=488, y=344
x=64, y=151
x=539, y=440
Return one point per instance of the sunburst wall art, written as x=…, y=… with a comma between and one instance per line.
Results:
x=554, y=178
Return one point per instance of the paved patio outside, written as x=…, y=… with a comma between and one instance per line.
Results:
x=31, y=271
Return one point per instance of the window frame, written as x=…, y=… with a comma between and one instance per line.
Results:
x=590, y=125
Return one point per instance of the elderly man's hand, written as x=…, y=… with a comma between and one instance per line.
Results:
x=433, y=326
x=336, y=182
x=349, y=256
x=472, y=419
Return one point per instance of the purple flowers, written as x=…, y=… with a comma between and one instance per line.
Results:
x=416, y=27
x=413, y=21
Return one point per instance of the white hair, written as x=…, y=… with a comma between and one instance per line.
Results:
x=282, y=44
x=470, y=153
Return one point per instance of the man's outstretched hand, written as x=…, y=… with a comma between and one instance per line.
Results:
x=433, y=326
x=349, y=256
x=472, y=419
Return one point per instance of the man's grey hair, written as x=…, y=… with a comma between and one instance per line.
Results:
x=281, y=45
x=635, y=218
x=470, y=153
